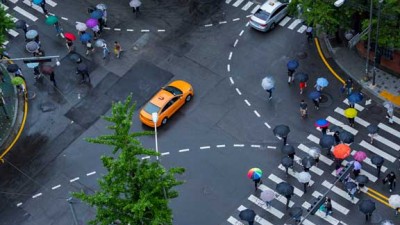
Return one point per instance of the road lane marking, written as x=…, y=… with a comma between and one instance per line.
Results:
x=184, y=150
x=368, y=161
x=236, y=41
x=37, y=195
x=257, y=114
x=91, y=173
x=294, y=24
x=129, y=30
x=335, y=205
x=56, y=187
x=356, y=106
x=231, y=79
x=74, y=179
x=255, y=146
x=284, y=21
x=377, y=151
x=293, y=173
x=236, y=19
x=222, y=22
x=340, y=192
x=255, y=9
x=160, y=30
x=321, y=214
x=220, y=146
x=322, y=158
x=271, y=147
x=237, y=3
x=241, y=33
x=228, y=68
x=247, y=102
x=362, y=172
x=234, y=221
x=302, y=29
x=237, y=90
x=389, y=129
x=145, y=157
x=238, y=145
x=386, y=142
x=144, y=31
x=342, y=125
x=19, y=204
x=267, y=125
x=204, y=147
x=117, y=29
x=357, y=119
x=164, y=153
x=208, y=25
x=25, y=13
x=230, y=56
x=51, y=3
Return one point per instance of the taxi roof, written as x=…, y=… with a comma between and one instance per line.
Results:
x=161, y=98
x=270, y=5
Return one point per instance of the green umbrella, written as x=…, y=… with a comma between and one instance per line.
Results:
x=17, y=80
x=51, y=20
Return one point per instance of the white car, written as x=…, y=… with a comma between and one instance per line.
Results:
x=268, y=15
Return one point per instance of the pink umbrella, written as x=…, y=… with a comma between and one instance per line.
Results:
x=360, y=156
x=91, y=22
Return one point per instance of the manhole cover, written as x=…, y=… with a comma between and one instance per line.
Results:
x=326, y=100
x=375, y=109
x=301, y=55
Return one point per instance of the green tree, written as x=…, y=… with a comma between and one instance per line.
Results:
x=5, y=24
x=133, y=191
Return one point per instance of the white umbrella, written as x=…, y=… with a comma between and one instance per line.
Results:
x=135, y=3
x=314, y=152
x=387, y=222
x=80, y=26
x=394, y=201
x=101, y=6
x=303, y=177
x=268, y=83
x=388, y=105
x=267, y=195
x=99, y=43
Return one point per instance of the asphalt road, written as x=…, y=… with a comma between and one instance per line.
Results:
x=217, y=137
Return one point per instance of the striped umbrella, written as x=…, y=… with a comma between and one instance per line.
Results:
x=254, y=173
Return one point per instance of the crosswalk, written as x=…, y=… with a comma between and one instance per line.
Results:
x=27, y=12
x=386, y=144
x=253, y=6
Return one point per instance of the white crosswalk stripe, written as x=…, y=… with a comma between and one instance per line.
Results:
x=322, y=158
x=377, y=151
x=284, y=21
x=247, y=6
x=389, y=130
x=278, y=180
x=387, y=142
x=279, y=198
x=258, y=219
x=25, y=13
x=356, y=106
x=234, y=221
x=254, y=10
x=357, y=119
x=312, y=169
x=4, y=7
x=321, y=214
x=237, y=3
x=293, y=173
x=262, y=205
x=302, y=29
x=335, y=205
x=368, y=161
x=51, y=3
x=342, y=125
x=340, y=192
x=294, y=24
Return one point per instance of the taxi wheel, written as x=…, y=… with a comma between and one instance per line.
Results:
x=188, y=98
x=272, y=26
x=164, y=121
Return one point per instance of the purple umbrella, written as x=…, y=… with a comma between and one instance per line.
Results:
x=91, y=22
x=360, y=156
x=357, y=165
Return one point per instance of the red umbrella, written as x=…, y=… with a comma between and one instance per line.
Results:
x=70, y=36
x=341, y=151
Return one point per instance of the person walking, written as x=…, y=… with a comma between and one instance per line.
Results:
x=257, y=183
x=336, y=136
x=390, y=114
x=328, y=206
x=270, y=93
x=288, y=197
x=309, y=33
x=290, y=76
x=43, y=6
x=59, y=30
x=368, y=216
x=316, y=103
x=348, y=86
x=105, y=50
x=324, y=130
x=352, y=192
x=318, y=88
x=302, y=85
x=53, y=79
x=96, y=32
x=391, y=179
x=303, y=109
x=284, y=140
x=69, y=44
x=135, y=4
x=36, y=73
x=84, y=74
x=351, y=121
x=89, y=47
x=117, y=49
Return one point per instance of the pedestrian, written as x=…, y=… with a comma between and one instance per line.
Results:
x=69, y=44
x=290, y=76
x=343, y=179
x=251, y=222
x=52, y=78
x=117, y=49
x=378, y=170
x=352, y=192
x=89, y=47
x=397, y=210
x=391, y=179
x=135, y=4
x=360, y=186
x=84, y=74
x=338, y=163
x=21, y=87
x=324, y=130
x=105, y=50
x=284, y=140
x=270, y=93
x=288, y=197
x=59, y=30
x=309, y=34
x=328, y=206
x=389, y=114
x=356, y=170
x=373, y=136
x=3, y=104
x=336, y=136
x=368, y=216
x=36, y=73
x=348, y=86
x=37, y=40
x=302, y=85
x=303, y=109
x=104, y=17
x=305, y=185
x=318, y=88
x=351, y=121
x=96, y=32
x=316, y=103
x=316, y=159
x=43, y=6
x=257, y=183
x=38, y=53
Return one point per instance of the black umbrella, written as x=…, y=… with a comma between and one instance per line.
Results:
x=362, y=179
x=82, y=67
x=288, y=149
x=367, y=206
x=327, y=141
x=75, y=57
x=346, y=137
x=46, y=69
x=20, y=24
x=335, y=128
x=301, y=77
x=377, y=160
x=287, y=162
x=284, y=188
x=281, y=130
x=247, y=215
x=372, y=129
x=308, y=161
x=12, y=68
x=295, y=212
x=350, y=185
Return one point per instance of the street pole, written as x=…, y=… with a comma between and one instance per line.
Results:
x=369, y=38
x=376, y=42
x=154, y=117
x=69, y=200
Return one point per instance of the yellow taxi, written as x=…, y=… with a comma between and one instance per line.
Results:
x=166, y=102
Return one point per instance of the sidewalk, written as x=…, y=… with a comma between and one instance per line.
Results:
x=387, y=86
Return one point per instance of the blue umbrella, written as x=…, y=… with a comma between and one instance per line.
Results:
x=323, y=82
x=85, y=37
x=292, y=64
x=96, y=14
x=321, y=123
x=32, y=65
x=31, y=34
x=314, y=95
x=355, y=97
x=37, y=2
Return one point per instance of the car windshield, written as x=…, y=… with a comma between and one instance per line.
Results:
x=173, y=90
x=262, y=14
x=150, y=108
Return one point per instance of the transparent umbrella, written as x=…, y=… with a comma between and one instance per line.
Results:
x=268, y=83
x=32, y=46
x=303, y=177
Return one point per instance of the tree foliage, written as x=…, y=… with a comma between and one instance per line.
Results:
x=5, y=24
x=133, y=191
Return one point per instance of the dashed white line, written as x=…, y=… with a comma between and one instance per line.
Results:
x=117, y=29
x=144, y=31
x=228, y=68
x=165, y=153
x=241, y=33
x=204, y=147
x=19, y=204
x=208, y=25
x=247, y=24
x=64, y=18
x=161, y=30
x=236, y=41
x=223, y=22
x=236, y=19
x=220, y=146
x=237, y=90
x=55, y=187
x=267, y=125
x=184, y=150
x=146, y=157
x=37, y=195
x=130, y=30
x=73, y=180
x=257, y=114
x=231, y=79
x=248, y=16
x=106, y=28
x=238, y=145
x=255, y=146
x=91, y=173
x=247, y=102
x=271, y=147
x=230, y=56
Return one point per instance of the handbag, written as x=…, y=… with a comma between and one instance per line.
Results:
x=322, y=208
